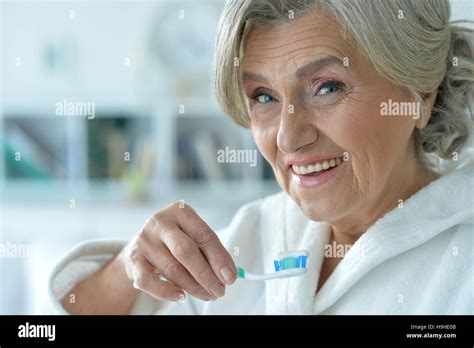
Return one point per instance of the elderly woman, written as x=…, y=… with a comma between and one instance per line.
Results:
x=355, y=104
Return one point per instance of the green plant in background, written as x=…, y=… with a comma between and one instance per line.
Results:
x=138, y=174
x=136, y=179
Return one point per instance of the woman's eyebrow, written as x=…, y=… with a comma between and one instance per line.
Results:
x=301, y=72
x=317, y=65
x=246, y=75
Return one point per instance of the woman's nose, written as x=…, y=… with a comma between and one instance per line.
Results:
x=296, y=129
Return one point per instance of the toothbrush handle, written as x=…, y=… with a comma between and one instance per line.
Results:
x=287, y=273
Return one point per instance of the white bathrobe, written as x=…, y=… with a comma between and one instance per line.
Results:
x=417, y=259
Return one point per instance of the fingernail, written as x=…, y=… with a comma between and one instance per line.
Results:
x=228, y=275
x=180, y=296
x=210, y=298
x=217, y=289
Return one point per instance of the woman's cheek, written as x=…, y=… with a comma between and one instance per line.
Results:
x=344, y=126
x=265, y=136
x=265, y=114
x=266, y=142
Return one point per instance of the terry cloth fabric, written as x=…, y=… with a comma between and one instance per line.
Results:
x=414, y=260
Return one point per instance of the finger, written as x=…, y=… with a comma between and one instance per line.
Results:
x=207, y=241
x=147, y=280
x=185, y=250
x=162, y=260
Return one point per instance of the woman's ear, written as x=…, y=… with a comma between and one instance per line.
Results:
x=428, y=100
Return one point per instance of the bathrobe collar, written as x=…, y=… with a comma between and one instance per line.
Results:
x=440, y=205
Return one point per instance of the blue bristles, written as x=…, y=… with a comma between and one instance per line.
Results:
x=303, y=261
x=290, y=262
x=277, y=265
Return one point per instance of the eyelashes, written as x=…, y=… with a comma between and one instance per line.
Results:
x=329, y=87
x=319, y=89
x=261, y=96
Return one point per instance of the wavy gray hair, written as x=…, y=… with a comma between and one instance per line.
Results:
x=435, y=54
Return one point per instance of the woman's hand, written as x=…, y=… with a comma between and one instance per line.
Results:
x=180, y=246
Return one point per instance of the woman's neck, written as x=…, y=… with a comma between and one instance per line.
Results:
x=348, y=229
x=346, y=233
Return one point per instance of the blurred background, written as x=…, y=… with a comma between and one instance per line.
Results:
x=106, y=116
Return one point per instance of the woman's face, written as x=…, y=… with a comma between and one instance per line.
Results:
x=313, y=96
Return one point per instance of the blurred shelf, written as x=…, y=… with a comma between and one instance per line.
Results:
x=95, y=193
x=66, y=59
x=101, y=210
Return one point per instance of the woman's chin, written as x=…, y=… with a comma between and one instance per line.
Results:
x=318, y=209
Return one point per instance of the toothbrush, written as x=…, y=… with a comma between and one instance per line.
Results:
x=289, y=264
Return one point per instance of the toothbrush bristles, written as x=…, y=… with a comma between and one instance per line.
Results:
x=290, y=262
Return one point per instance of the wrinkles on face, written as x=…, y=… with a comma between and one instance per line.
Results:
x=321, y=96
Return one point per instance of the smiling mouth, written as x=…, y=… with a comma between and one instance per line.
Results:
x=318, y=167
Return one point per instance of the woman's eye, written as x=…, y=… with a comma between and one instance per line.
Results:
x=329, y=87
x=262, y=98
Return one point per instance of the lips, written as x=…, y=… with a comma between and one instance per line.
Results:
x=316, y=166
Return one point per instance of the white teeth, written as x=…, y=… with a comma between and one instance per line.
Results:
x=316, y=167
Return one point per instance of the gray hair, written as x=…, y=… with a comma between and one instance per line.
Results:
x=435, y=54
